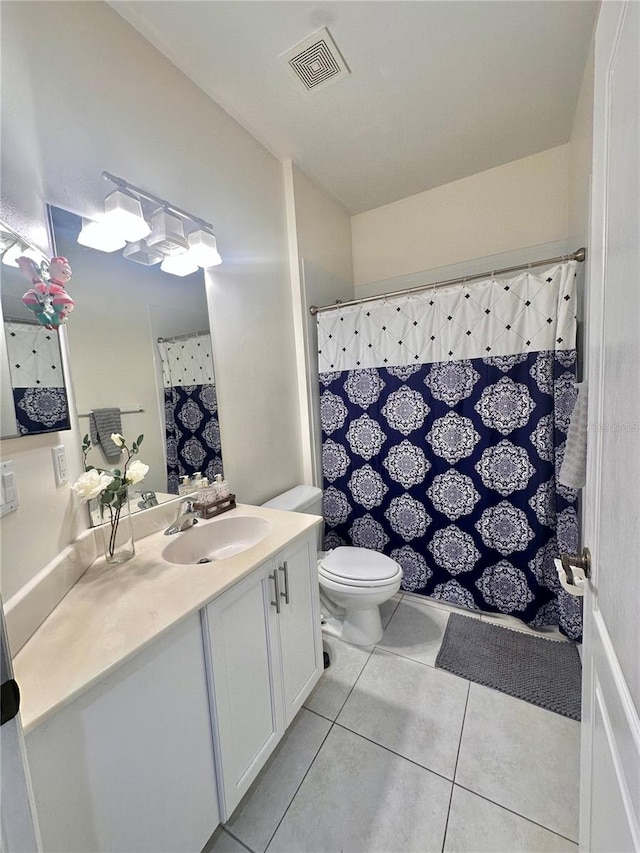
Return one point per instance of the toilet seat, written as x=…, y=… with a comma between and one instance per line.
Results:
x=358, y=567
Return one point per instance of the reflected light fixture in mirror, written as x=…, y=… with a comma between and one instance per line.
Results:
x=179, y=264
x=142, y=254
x=170, y=240
x=97, y=235
x=19, y=250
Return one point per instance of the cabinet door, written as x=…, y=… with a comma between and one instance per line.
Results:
x=241, y=630
x=299, y=622
x=128, y=766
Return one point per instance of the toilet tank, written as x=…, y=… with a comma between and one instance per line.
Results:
x=299, y=499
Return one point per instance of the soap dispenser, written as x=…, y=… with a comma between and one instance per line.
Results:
x=222, y=487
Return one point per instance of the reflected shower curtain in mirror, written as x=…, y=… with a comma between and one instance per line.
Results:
x=444, y=417
x=37, y=378
x=191, y=408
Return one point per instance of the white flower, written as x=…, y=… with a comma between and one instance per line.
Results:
x=91, y=484
x=118, y=439
x=136, y=472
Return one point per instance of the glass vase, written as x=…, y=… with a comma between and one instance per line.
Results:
x=117, y=529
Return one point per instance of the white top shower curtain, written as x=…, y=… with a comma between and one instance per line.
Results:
x=444, y=417
x=191, y=408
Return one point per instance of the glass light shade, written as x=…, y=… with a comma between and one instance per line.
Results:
x=123, y=214
x=19, y=250
x=203, y=248
x=142, y=254
x=181, y=265
x=167, y=233
x=10, y=257
x=98, y=235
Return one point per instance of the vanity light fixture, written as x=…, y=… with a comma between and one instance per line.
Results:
x=182, y=264
x=203, y=248
x=141, y=253
x=123, y=214
x=97, y=235
x=128, y=212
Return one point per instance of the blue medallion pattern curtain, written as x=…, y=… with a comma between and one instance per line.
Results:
x=37, y=378
x=444, y=418
x=191, y=408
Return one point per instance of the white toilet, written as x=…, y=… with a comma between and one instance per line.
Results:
x=354, y=582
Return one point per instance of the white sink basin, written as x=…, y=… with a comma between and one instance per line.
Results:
x=216, y=540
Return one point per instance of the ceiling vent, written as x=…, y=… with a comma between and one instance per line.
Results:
x=316, y=61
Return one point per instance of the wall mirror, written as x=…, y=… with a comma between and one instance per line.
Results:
x=139, y=341
x=34, y=396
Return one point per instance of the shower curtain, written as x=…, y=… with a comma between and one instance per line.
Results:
x=444, y=416
x=191, y=408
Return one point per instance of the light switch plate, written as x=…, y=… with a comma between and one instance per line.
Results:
x=59, y=464
x=10, y=500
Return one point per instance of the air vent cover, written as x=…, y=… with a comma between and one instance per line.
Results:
x=316, y=61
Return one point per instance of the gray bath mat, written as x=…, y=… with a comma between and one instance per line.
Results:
x=544, y=672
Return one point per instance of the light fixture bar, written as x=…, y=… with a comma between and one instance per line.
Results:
x=183, y=214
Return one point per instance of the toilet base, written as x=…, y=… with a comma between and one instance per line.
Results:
x=358, y=627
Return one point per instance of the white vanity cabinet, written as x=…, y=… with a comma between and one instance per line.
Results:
x=128, y=765
x=263, y=641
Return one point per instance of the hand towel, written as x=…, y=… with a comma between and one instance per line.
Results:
x=573, y=472
x=102, y=422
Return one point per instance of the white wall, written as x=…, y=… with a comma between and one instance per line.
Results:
x=320, y=258
x=520, y=204
x=82, y=92
x=323, y=228
x=580, y=153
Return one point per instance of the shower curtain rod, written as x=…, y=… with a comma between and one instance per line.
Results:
x=184, y=337
x=578, y=255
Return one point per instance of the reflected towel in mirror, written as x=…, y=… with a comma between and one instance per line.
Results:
x=103, y=422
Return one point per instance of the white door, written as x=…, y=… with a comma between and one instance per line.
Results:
x=18, y=821
x=610, y=773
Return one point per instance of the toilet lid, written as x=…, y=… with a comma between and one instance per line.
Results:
x=359, y=564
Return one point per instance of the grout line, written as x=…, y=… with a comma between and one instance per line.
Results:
x=455, y=769
x=355, y=682
x=392, y=614
x=301, y=782
x=517, y=814
x=381, y=648
x=464, y=717
x=422, y=663
x=318, y=714
x=235, y=838
x=393, y=752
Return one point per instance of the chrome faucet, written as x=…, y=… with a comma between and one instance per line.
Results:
x=185, y=518
x=149, y=499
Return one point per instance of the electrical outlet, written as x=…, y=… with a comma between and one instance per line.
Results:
x=59, y=464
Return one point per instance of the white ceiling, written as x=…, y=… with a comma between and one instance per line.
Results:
x=438, y=90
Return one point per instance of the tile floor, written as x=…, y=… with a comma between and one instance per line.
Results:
x=391, y=754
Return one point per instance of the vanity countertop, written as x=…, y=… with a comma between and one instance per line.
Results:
x=113, y=612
